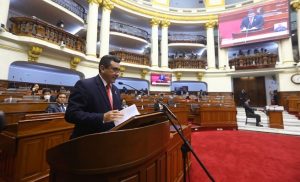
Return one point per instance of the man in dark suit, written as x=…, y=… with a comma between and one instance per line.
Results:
x=250, y=112
x=60, y=105
x=252, y=21
x=94, y=103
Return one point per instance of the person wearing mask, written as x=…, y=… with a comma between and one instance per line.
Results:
x=94, y=103
x=46, y=94
x=60, y=105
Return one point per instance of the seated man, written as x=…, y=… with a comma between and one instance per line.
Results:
x=59, y=106
x=250, y=112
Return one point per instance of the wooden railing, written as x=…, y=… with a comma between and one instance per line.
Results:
x=187, y=63
x=132, y=57
x=34, y=27
x=254, y=61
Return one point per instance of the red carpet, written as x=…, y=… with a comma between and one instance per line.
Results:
x=244, y=156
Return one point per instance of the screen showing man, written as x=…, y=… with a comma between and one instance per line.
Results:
x=252, y=21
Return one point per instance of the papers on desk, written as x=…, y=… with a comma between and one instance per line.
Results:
x=128, y=112
x=274, y=108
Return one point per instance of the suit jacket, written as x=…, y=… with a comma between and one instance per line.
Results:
x=249, y=110
x=258, y=22
x=87, y=104
x=54, y=107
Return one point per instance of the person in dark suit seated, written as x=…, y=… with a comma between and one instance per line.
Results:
x=94, y=103
x=46, y=94
x=250, y=112
x=252, y=21
x=60, y=105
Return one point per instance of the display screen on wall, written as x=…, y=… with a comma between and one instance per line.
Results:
x=161, y=78
x=258, y=23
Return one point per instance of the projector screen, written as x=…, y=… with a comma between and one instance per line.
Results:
x=161, y=78
x=258, y=23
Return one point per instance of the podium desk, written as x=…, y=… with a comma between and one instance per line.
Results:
x=275, y=119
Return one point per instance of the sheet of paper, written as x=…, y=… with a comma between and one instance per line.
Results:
x=128, y=112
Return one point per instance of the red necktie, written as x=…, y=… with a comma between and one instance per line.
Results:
x=108, y=91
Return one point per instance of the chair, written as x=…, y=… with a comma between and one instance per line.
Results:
x=247, y=116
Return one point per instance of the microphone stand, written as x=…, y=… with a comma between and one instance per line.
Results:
x=186, y=146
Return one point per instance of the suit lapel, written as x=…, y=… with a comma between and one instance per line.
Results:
x=102, y=90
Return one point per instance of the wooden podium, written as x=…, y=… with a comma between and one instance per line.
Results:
x=276, y=119
x=136, y=150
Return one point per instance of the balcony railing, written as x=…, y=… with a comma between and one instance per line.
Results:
x=132, y=58
x=129, y=29
x=186, y=38
x=72, y=6
x=262, y=60
x=34, y=27
x=187, y=63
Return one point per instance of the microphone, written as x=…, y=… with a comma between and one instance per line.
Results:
x=165, y=107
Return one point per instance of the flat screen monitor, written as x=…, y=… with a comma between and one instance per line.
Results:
x=161, y=78
x=262, y=22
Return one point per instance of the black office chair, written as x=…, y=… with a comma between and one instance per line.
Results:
x=2, y=122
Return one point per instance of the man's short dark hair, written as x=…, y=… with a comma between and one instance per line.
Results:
x=106, y=60
x=46, y=90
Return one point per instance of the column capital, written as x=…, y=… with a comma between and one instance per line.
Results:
x=74, y=62
x=94, y=1
x=165, y=23
x=107, y=4
x=210, y=24
x=296, y=4
x=154, y=21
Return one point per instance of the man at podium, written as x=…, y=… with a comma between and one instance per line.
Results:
x=94, y=103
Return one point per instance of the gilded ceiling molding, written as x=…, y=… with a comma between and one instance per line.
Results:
x=154, y=21
x=210, y=24
x=165, y=23
x=34, y=53
x=162, y=15
x=107, y=4
x=74, y=62
x=296, y=4
x=94, y=1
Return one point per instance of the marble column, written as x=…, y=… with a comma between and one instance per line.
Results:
x=4, y=9
x=154, y=42
x=164, y=47
x=211, y=59
x=105, y=27
x=92, y=28
x=296, y=6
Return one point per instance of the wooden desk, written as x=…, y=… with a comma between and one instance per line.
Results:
x=275, y=119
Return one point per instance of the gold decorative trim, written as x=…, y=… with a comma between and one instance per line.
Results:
x=166, y=5
x=122, y=70
x=165, y=23
x=210, y=24
x=34, y=53
x=296, y=4
x=154, y=21
x=143, y=73
x=74, y=62
x=178, y=75
x=200, y=75
x=162, y=15
x=107, y=4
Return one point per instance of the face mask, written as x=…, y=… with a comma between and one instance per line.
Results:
x=46, y=97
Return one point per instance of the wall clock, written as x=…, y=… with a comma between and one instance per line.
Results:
x=295, y=78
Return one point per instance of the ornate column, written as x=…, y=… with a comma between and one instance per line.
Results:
x=4, y=9
x=287, y=51
x=223, y=59
x=92, y=27
x=296, y=6
x=154, y=42
x=211, y=59
x=164, y=48
x=105, y=27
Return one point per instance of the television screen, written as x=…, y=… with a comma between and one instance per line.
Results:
x=161, y=78
x=258, y=23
